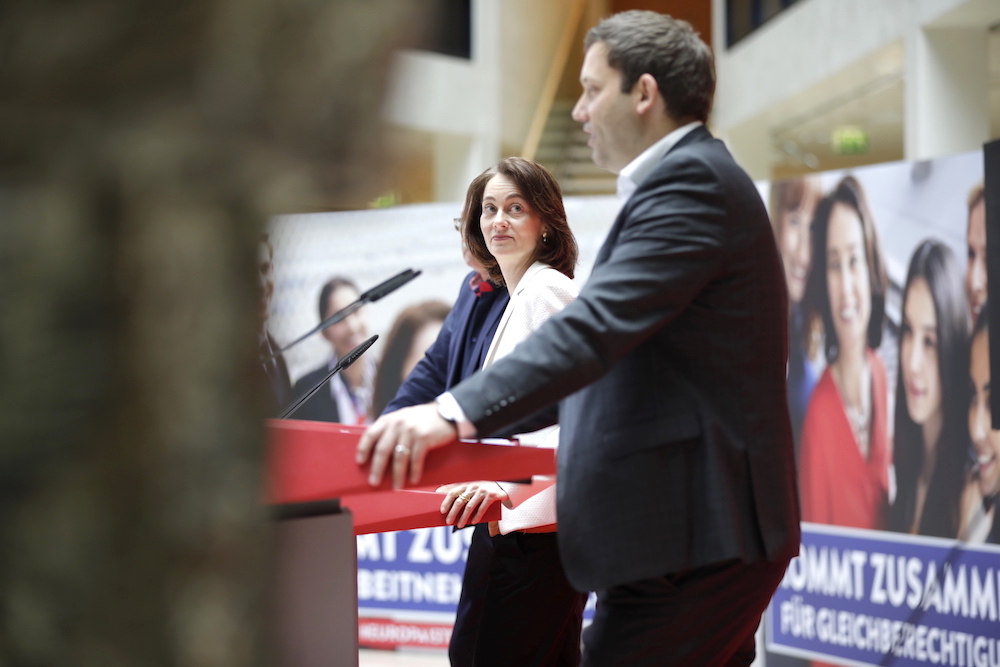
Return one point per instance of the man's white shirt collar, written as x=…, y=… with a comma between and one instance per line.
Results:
x=636, y=171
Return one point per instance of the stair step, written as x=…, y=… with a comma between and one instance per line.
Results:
x=588, y=168
x=586, y=187
x=561, y=119
x=563, y=150
x=550, y=155
x=578, y=153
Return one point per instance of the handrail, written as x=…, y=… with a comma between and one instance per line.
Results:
x=556, y=70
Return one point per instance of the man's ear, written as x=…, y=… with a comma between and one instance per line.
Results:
x=646, y=91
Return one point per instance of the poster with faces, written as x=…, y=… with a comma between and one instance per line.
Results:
x=888, y=389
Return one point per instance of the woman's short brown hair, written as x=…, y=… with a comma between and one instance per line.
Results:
x=542, y=193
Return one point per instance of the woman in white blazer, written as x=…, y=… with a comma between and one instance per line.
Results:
x=517, y=608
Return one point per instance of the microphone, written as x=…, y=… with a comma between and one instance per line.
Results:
x=379, y=291
x=372, y=295
x=348, y=359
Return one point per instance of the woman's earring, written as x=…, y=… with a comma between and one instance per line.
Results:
x=545, y=237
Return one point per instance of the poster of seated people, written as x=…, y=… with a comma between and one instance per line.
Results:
x=889, y=392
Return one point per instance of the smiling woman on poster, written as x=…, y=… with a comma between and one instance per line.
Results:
x=979, y=501
x=844, y=471
x=930, y=428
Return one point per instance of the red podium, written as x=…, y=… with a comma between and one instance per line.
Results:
x=322, y=500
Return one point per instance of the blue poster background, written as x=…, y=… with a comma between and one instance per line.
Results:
x=416, y=572
x=412, y=570
x=876, y=598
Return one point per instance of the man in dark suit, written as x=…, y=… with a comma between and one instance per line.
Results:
x=346, y=396
x=677, y=495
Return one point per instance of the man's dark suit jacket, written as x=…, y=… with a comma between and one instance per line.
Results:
x=275, y=371
x=459, y=349
x=676, y=449
x=320, y=407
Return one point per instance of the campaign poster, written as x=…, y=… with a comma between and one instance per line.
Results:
x=888, y=391
x=889, y=378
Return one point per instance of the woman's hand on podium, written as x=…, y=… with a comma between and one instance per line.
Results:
x=467, y=502
x=404, y=437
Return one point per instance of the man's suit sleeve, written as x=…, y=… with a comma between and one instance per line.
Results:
x=668, y=247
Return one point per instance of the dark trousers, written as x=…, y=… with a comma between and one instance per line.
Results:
x=516, y=607
x=705, y=617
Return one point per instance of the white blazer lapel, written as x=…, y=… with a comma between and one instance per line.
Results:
x=509, y=310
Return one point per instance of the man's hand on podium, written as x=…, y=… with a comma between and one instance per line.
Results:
x=404, y=437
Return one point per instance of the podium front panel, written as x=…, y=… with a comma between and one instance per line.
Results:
x=316, y=591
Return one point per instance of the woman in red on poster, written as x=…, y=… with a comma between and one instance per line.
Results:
x=844, y=471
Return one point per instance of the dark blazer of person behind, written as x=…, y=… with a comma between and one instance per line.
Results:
x=460, y=346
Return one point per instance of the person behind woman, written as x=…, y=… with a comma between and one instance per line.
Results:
x=347, y=395
x=844, y=471
x=415, y=329
x=930, y=428
x=979, y=500
x=516, y=607
x=792, y=204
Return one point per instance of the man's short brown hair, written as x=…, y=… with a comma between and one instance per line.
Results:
x=643, y=42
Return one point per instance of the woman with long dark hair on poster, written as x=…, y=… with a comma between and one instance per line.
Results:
x=930, y=427
x=415, y=329
x=845, y=454
x=982, y=490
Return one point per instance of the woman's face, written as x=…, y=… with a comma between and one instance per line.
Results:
x=422, y=341
x=918, y=352
x=511, y=228
x=847, y=279
x=795, y=244
x=975, y=271
x=985, y=441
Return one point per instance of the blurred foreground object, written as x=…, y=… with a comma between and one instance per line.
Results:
x=144, y=147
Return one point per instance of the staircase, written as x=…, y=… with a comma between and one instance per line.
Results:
x=564, y=151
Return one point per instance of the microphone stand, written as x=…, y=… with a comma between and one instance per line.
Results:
x=348, y=359
x=372, y=295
